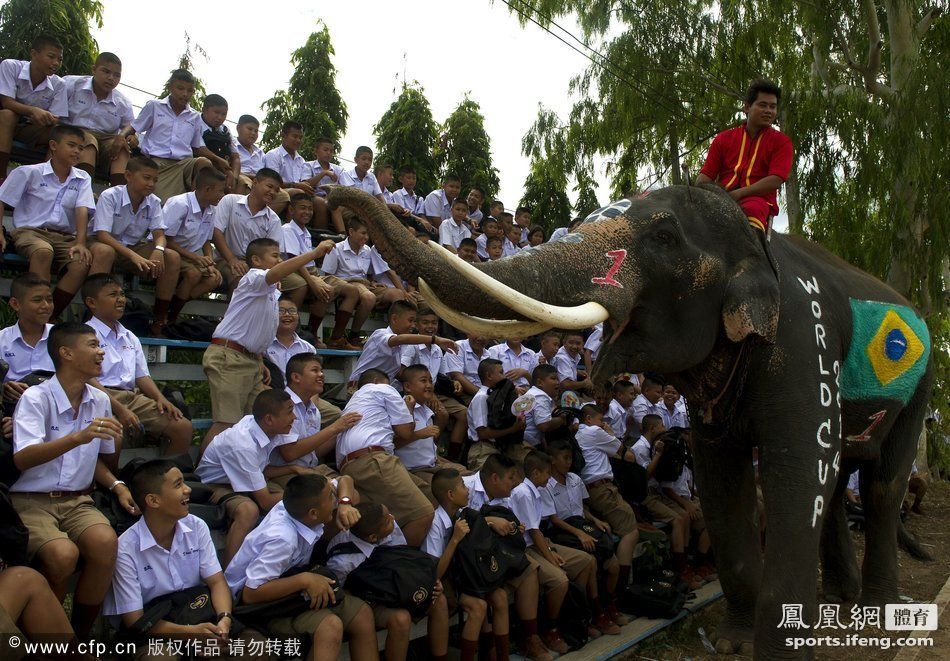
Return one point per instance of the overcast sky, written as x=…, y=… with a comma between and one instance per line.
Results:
x=450, y=46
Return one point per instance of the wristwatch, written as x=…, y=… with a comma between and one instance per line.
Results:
x=160, y=248
x=115, y=484
x=345, y=500
x=223, y=615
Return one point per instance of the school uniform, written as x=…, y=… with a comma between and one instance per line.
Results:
x=429, y=355
x=659, y=511
x=510, y=359
x=464, y=361
x=252, y=159
x=21, y=358
x=452, y=233
x=217, y=140
x=641, y=406
x=437, y=204
x=481, y=246
x=415, y=203
x=355, y=266
x=296, y=240
x=421, y=458
x=344, y=563
x=44, y=208
x=365, y=452
x=568, y=498
x=291, y=167
x=52, y=498
x=477, y=496
x=145, y=570
x=279, y=354
x=232, y=362
x=307, y=422
x=439, y=533
x=616, y=417
x=367, y=183
x=683, y=487
x=100, y=119
x=50, y=95
x=130, y=227
x=234, y=218
x=315, y=167
x=477, y=416
x=476, y=217
x=598, y=447
x=508, y=248
x=191, y=226
x=278, y=544
x=594, y=340
x=678, y=417
x=557, y=234
x=566, y=365
x=170, y=140
x=377, y=354
x=540, y=414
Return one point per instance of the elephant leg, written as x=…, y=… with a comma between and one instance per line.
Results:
x=726, y=479
x=840, y=578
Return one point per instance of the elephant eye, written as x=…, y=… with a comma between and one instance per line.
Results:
x=664, y=237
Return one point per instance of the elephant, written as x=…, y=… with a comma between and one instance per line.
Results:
x=776, y=343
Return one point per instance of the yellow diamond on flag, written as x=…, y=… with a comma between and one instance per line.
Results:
x=894, y=348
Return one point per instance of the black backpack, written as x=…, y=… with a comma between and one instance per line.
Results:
x=511, y=548
x=575, y=617
x=500, y=399
x=478, y=566
x=137, y=317
x=196, y=329
x=604, y=543
x=394, y=576
x=218, y=142
x=656, y=599
x=14, y=535
x=674, y=458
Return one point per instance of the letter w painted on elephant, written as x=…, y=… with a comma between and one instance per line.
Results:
x=608, y=278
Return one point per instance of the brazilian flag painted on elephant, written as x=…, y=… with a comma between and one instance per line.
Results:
x=890, y=349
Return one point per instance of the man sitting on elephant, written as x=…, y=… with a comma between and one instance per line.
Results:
x=752, y=160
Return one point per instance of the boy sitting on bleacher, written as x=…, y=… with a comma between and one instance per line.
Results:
x=217, y=138
x=63, y=428
x=130, y=222
x=323, y=172
x=618, y=411
x=189, y=224
x=167, y=551
x=538, y=420
x=52, y=203
x=252, y=156
x=287, y=343
x=567, y=361
x=438, y=203
x=272, y=564
x=125, y=375
x=32, y=98
x=101, y=111
x=455, y=228
x=23, y=345
x=481, y=435
x=290, y=165
x=517, y=361
x=462, y=364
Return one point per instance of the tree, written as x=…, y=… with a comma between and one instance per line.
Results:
x=406, y=135
x=311, y=97
x=67, y=20
x=545, y=193
x=464, y=149
x=586, y=194
x=187, y=62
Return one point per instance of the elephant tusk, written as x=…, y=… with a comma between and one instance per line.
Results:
x=487, y=328
x=553, y=316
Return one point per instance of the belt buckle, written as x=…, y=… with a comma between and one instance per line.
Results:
x=55, y=494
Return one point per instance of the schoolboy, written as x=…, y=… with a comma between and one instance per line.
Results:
x=494, y=248
x=490, y=228
x=290, y=165
x=511, y=246
x=52, y=203
x=359, y=176
x=438, y=203
x=618, y=411
x=558, y=564
x=447, y=531
x=101, y=111
x=125, y=376
x=538, y=420
x=63, y=430
x=32, y=97
x=673, y=408
x=24, y=344
x=456, y=226
x=682, y=493
x=550, y=342
x=430, y=355
x=567, y=359
x=475, y=200
x=599, y=444
x=648, y=450
x=570, y=499
x=406, y=196
x=304, y=378
x=517, y=361
x=252, y=156
x=468, y=250
x=462, y=365
x=495, y=209
x=126, y=216
x=648, y=402
x=482, y=436
x=189, y=226
x=233, y=362
x=284, y=541
x=324, y=171
x=172, y=134
x=352, y=260
x=166, y=551
x=377, y=527
x=492, y=485
x=320, y=290
x=287, y=342
x=218, y=140
x=592, y=347
x=523, y=223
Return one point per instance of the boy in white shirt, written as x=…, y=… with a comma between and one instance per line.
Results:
x=648, y=402
x=324, y=171
x=287, y=343
x=567, y=359
x=462, y=365
x=252, y=156
x=550, y=343
x=618, y=412
x=218, y=141
x=438, y=203
x=23, y=345
x=538, y=420
x=682, y=493
x=359, y=176
x=673, y=408
x=63, y=430
x=592, y=347
x=517, y=361
x=293, y=169
x=490, y=228
x=454, y=229
x=475, y=200
x=482, y=436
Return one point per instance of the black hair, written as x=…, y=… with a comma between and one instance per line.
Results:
x=406, y=169
x=61, y=131
x=504, y=216
x=354, y=223
x=372, y=376
x=762, y=86
x=323, y=140
x=536, y=461
x=497, y=203
x=480, y=191
x=290, y=125
x=300, y=197
x=496, y=464
x=214, y=101
x=267, y=173
x=301, y=492
x=542, y=371
x=148, y=478
x=298, y=362
x=443, y=481
x=258, y=247
x=590, y=410
x=450, y=176
x=42, y=41
x=490, y=219
x=485, y=367
x=371, y=520
x=401, y=307
x=269, y=402
x=460, y=200
x=106, y=56
x=550, y=333
x=411, y=371
x=141, y=162
x=535, y=229
x=558, y=446
x=494, y=239
x=248, y=119
x=621, y=385
x=181, y=75
x=468, y=242
x=571, y=333
x=362, y=149
x=521, y=210
x=64, y=335
x=650, y=420
x=26, y=281
x=653, y=379
x=379, y=167
x=425, y=311
x=208, y=177
x=94, y=284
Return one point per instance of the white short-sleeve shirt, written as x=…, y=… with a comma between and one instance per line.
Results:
x=529, y=507
x=465, y=361
x=682, y=486
x=344, y=563
x=508, y=248
x=169, y=135
x=307, y=423
x=477, y=496
x=114, y=214
x=239, y=455
x=641, y=406
x=594, y=341
x=42, y=201
x=382, y=409
x=616, y=417
x=252, y=159
x=187, y=223
x=315, y=167
x=598, y=447
x=50, y=94
x=291, y=168
x=568, y=498
x=452, y=233
x=297, y=241
x=423, y=354
x=240, y=225
x=439, y=532
x=345, y=262
x=251, y=319
x=21, y=358
x=477, y=414
x=512, y=360
x=278, y=354
x=124, y=360
x=367, y=183
x=437, y=204
x=377, y=354
x=44, y=414
x=566, y=364
x=108, y=115
x=678, y=417
x=420, y=453
x=145, y=570
x=642, y=450
x=415, y=203
x=540, y=414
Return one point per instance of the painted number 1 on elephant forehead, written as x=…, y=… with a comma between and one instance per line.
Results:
x=608, y=278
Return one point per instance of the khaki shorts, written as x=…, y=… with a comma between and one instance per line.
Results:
x=28, y=240
x=426, y=473
x=659, y=510
x=452, y=405
x=123, y=264
x=480, y=451
x=296, y=281
x=49, y=519
x=319, y=469
x=519, y=452
x=377, y=289
x=308, y=621
x=174, y=177
x=551, y=576
x=101, y=142
x=329, y=413
x=229, y=499
x=145, y=409
x=697, y=525
x=381, y=478
x=607, y=503
x=513, y=584
x=235, y=381
x=33, y=135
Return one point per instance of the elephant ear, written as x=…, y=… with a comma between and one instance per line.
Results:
x=751, y=303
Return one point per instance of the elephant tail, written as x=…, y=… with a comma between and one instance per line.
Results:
x=910, y=543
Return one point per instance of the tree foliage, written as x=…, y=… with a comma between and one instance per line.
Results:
x=545, y=188
x=465, y=150
x=67, y=20
x=311, y=97
x=406, y=135
x=187, y=62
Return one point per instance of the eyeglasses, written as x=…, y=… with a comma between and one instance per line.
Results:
x=287, y=312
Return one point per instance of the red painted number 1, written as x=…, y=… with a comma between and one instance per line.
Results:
x=875, y=419
x=608, y=278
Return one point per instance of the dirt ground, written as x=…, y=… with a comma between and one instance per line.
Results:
x=921, y=581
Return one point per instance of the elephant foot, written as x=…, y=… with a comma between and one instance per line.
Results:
x=840, y=587
x=733, y=638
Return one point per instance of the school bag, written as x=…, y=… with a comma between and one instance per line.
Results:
x=575, y=616
x=603, y=542
x=478, y=566
x=14, y=535
x=259, y=614
x=656, y=599
x=511, y=548
x=137, y=317
x=218, y=142
x=674, y=457
x=196, y=329
x=500, y=399
x=394, y=576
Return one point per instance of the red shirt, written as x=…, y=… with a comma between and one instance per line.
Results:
x=736, y=160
